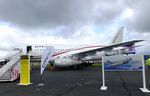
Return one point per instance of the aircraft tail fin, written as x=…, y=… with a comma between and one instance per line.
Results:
x=118, y=38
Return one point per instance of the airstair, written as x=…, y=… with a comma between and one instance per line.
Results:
x=9, y=69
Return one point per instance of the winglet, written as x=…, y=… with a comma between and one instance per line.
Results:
x=118, y=38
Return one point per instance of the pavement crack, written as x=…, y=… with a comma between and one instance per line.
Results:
x=124, y=85
x=68, y=91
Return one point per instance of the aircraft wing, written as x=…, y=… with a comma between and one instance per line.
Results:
x=128, y=43
x=109, y=47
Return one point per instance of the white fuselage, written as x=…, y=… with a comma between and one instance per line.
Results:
x=63, y=57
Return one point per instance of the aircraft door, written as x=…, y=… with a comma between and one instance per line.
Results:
x=29, y=48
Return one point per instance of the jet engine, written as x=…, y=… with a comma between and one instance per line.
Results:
x=66, y=62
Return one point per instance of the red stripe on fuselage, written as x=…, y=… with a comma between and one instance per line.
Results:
x=59, y=53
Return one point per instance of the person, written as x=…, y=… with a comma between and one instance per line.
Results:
x=148, y=63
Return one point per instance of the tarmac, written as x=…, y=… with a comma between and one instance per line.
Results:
x=85, y=82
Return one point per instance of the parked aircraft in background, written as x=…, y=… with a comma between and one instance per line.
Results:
x=116, y=63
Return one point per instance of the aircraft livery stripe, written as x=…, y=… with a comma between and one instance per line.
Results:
x=59, y=53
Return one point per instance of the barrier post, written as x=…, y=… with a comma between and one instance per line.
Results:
x=103, y=87
x=144, y=89
x=24, y=70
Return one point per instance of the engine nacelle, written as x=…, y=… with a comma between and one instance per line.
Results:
x=100, y=54
x=96, y=56
x=66, y=62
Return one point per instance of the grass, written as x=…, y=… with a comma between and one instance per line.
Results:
x=96, y=65
x=37, y=65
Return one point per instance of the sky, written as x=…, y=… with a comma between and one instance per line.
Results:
x=74, y=22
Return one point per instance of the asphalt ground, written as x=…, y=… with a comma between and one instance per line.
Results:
x=72, y=82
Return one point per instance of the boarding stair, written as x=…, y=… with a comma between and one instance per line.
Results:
x=9, y=71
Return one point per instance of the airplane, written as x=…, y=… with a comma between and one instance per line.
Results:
x=120, y=62
x=77, y=55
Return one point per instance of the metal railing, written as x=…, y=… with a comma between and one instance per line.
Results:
x=14, y=59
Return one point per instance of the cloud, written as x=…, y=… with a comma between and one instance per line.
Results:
x=47, y=13
x=9, y=38
x=140, y=21
x=84, y=35
x=108, y=10
x=65, y=17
